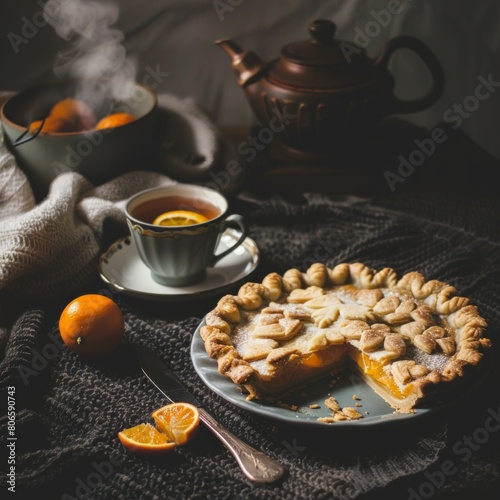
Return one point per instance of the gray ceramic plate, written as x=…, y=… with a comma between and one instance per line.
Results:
x=374, y=409
x=345, y=387
x=123, y=270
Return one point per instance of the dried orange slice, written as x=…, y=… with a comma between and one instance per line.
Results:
x=179, y=218
x=115, y=120
x=179, y=421
x=146, y=439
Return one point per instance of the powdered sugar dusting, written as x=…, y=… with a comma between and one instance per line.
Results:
x=435, y=361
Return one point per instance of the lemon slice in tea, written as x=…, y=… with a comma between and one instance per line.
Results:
x=179, y=218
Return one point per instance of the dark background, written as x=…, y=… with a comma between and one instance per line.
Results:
x=176, y=37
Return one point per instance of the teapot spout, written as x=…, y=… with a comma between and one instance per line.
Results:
x=247, y=65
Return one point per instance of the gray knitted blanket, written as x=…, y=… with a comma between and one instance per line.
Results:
x=67, y=411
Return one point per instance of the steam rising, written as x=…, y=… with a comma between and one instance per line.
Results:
x=94, y=50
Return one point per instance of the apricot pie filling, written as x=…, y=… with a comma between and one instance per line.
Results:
x=375, y=371
x=405, y=337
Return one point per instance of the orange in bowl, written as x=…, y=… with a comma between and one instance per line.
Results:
x=76, y=112
x=115, y=120
x=52, y=125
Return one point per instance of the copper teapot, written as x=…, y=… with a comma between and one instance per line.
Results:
x=322, y=94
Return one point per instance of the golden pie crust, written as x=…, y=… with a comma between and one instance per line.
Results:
x=406, y=337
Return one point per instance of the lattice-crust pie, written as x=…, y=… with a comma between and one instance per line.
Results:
x=406, y=337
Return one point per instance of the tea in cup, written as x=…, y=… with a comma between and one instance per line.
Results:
x=177, y=229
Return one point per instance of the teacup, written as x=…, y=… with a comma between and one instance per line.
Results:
x=179, y=255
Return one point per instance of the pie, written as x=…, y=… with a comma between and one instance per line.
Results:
x=406, y=337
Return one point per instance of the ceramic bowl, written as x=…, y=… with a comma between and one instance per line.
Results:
x=98, y=155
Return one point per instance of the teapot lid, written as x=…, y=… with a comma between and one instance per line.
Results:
x=322, y=61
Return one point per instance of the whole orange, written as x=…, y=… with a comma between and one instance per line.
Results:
x=52, y=125
x=92, y=325
x=76, y=112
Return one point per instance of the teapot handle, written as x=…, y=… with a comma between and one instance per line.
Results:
x=414, y=44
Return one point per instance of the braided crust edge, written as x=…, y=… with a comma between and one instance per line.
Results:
x=464, y=318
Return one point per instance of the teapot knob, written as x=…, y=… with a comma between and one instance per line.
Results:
x=322, y=31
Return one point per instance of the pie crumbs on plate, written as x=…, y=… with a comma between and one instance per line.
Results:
x=406, y=337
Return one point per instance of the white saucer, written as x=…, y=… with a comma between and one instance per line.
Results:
x=123, y=270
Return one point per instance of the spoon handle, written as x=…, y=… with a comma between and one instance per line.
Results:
x=256, y=465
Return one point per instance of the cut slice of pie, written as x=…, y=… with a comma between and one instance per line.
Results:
x=407, y=338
